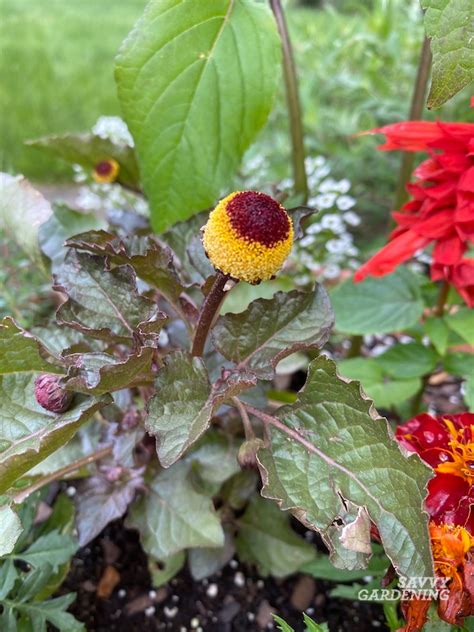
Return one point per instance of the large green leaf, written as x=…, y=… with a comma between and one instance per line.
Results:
x=385, y=390
x=344, y=457
x=462, y=323
x=271, y=329
x=379, y=305
x=173, y=516
x=53, y=548
x=266, y=539
x=88, y=150
x=404, y=361
x=196, y=81
x=103, y=304
x=450, y=26
x=184, y=403
x=22, y=211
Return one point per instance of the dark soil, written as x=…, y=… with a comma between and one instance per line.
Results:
x=243, y=603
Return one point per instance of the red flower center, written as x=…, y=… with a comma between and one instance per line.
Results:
x=258, y=217
x=104, y=168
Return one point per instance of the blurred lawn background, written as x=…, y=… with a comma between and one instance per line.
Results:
x=356, y=60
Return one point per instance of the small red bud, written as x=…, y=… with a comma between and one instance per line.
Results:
x=51, y=395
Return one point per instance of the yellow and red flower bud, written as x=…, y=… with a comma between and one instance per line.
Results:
x=106, y=171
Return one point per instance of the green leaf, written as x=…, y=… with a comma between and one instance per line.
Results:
x=184, y=403
x=378, y=305
x=179, y=237
x=282, y=625
x=22, y=211
x=243, y=293
x=450, y=26
x=346, y=457
x=266, y=539
x=10, y=529
x=408, y=360
x=271, y=329
x=102, y=304
x=459, y=363
x=204, y=562
x=462, y=323
x=62, y=224
x=438, y=333
x=196, y=79
x=100, y=373
x=52, y=548
x=88, y=150
x=214, y=458
x=173, y=516
x=161, y=572
x=152, y=262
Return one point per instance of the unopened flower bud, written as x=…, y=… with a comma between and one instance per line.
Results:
x=51, y=395
x=248, y=236
x=247, y=455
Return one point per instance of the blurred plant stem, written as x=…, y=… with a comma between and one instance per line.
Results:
x=293, y=104
x=416, y=110
x=208, y=312
x=442, y=296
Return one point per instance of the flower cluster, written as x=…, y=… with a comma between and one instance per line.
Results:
x=446, y=443
x=248, y=236
x=440, y=211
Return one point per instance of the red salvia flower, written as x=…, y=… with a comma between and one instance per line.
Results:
x=446, y=443
x=441, y=208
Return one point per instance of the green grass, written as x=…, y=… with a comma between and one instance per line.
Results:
x=56, y=64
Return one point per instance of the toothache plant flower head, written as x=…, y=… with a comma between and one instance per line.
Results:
x=248, y=236
x=446, y=443
x=106, y=171
x=441, y=208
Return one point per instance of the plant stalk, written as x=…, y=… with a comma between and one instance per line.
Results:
x=248, y=429
x=23, y=494
x=442, y=297
x=293, y=103
x=416, y=110
x=209, y=311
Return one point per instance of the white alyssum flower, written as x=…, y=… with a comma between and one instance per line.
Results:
x=325, y=200
x=333, y=222
x=114, y=128
x=345, y=202
x=331, y=271
x=351, y=218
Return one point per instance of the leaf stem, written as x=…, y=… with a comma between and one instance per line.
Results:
x=293, y=103
x=416, y=109
x=442, y=297
x=248, y=429
x=209, y=310
x=23, y=494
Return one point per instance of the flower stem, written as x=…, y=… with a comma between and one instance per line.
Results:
x=209, y=311
x=293, y=103
x=23, y=494
x=248, y=429
x=416, y=109
x=442, y=296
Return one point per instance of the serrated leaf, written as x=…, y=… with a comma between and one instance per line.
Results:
x=10, y=529
x=62, y=224
x=450, y=26
x=182, y=408
x=152, y=262
x=271, y=329
x=462, y=323
x=386, y=391
x=53, y=548
x=348, y=456
x=266, y=539
x=28, y=432
x=100, y=373
x=187, y=77
x=22, y=211
x=378, y=305
x=103, y=304
x=100, y=501
x=173, y=516
x=88, y=150
x=408, y=360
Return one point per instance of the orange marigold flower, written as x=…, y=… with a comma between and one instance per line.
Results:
x=106, y=171
x=248, y=236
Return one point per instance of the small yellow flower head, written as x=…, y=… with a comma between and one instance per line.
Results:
x=248, y=236
x=106, y=171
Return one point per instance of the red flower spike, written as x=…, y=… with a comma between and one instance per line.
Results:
x=441, y=208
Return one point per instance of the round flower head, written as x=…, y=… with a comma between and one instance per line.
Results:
x=106, y=171
x=248, y=236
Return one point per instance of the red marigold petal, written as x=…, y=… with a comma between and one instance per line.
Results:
x=392, y=255
x=415, y=612
x=456, y=606
x=424, y=434
x=446, y=501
